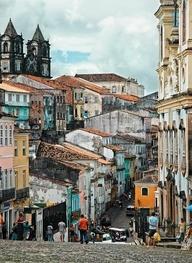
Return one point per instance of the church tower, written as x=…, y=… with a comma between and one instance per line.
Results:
x=11, y=51
x=38, y=59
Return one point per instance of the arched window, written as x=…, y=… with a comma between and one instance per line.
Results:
x=17, y=48
x=144, y=191
x=44, y=51
x=5, y=47
x=161, y=43
x=184, y=20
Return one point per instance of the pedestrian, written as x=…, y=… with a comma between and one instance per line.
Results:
x=83, y=228
x=153, y=228
x=20, y=226
x=4, y=231
x=72, y=233
x=187, y=244
x=1, y=226
x=62, y=230
x=182, y=229
x=50, y=232
x=26, y=229
x=13, y=235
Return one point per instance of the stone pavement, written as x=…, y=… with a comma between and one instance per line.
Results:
x=34, y=252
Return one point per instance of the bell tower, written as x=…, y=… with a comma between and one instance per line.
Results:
x=11, y=51
x=38, y=55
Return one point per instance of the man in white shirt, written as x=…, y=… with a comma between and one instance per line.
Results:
x=62, y=230
x=153, y=228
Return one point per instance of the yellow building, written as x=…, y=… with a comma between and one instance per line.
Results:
x=21, y=169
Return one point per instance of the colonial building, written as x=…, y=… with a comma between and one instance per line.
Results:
x=15, y=101
x=21, y=171
x=7, y=176
x=117, y=84
x=12, y=59
x=175, y=103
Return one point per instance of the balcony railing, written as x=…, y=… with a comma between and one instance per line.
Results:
x=22, y=193
x=7, y=194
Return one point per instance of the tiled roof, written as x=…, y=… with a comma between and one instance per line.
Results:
x=25, y=87
x=11, y=87
x=115, y=148
x=101, y=77
x=129, y=138
x=96, y=132
x=66, y=152
x=55, y=84
x=127, y=97
x=74, y=82
x=148, y=179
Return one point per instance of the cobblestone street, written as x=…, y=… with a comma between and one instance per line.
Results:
x=16, y=251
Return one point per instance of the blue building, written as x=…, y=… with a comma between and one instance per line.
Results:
x=15, y=101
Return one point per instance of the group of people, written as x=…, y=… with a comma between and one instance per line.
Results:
x=83, y=227
x=21, y=230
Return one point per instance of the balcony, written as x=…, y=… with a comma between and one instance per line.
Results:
x=7, y=194
x=22, y=193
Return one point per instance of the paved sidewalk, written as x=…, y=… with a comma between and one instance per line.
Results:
x=169, y=245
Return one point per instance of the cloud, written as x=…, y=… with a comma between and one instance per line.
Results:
x=104, y=35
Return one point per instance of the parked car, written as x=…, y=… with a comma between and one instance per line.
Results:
x=130, y=211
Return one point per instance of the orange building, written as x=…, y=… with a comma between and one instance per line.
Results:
x=145, y=190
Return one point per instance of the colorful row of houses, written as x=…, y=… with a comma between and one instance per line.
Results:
x=75, y=142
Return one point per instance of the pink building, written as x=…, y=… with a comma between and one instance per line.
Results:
x=7, y=177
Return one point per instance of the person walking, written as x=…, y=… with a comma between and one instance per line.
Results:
x=72, y=233
x=83, y=228
x=26, y=228
x=153, y=228
x=20, y=226
x=50, y=232
x=14, y=232
x=1, y=226
x=182, y=229
x=62, y=230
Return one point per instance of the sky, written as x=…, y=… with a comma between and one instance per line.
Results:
x=92, y=36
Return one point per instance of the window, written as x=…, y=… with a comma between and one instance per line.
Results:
x=1, y=135
x=5, y=47
x=24, y=178
x=58, y=117
x=123, y=89
x=17, y=112
x=6, y=179
x=9, y=97
x=86, y=99
x=25, y=98
x=10, y=135
x=145, y=191
x=184, y=20
x=17, y=98
x=16, y=180
x=16, y=149
x=114, y=89
x=57, y=99
x=11, y=179
x=24, y=148
x=6, y=135
x=86, y=114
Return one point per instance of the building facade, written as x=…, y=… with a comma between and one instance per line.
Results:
x=12, y=59
x=21, y=171
x=7, y=176
x=174, y=107
x=15, y=101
